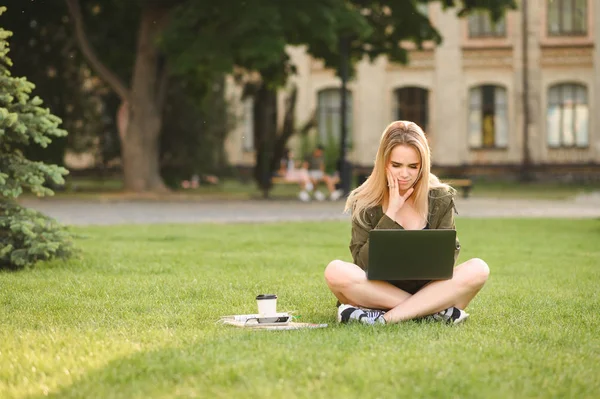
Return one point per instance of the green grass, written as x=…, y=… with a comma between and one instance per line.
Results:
x=134, y=317
x=534, y=190
x=112, y=188
x=90, y=188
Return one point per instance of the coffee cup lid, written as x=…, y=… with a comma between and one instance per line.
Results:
x=266, y=296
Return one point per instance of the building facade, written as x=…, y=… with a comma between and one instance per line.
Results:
x=469, y=93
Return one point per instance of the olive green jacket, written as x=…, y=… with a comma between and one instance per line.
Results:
x=441, y=216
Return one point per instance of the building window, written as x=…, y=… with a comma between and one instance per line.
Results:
x=488, y=117
x=567, y=17
x=412, y=105
x=481, y=25
x=567, y=116
x=248, y=121
x=329, y=116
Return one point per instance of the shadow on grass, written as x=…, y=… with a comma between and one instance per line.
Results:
x=235, y=362
x=153, y=373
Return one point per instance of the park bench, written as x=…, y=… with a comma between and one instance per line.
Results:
x=275, y=180
x=245, y=176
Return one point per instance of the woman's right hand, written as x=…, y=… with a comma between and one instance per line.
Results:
x=395, y=201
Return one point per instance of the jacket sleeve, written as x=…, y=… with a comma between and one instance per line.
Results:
x=447, y=223
x=359, y=244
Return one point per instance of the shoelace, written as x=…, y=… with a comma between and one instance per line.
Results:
x=443, y=315
x=373, y=314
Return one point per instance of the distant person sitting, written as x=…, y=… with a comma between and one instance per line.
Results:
x=196, y=180
x=317, y=174
x=290, y=172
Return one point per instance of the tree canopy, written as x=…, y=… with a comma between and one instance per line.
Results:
x=215, y=36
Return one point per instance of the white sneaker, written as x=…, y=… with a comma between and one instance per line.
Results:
x=319, y=196
x=451, y=315
x=304, y=196
x=336, y=195
x=349, y=313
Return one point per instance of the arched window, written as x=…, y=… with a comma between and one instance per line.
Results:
x=412, y=105
x=567, y=116
x=329, y=116
x=488, y=117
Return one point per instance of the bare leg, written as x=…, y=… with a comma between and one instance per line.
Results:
x=330, y=184
x=468, y=279
x=315, y=182
x=306, y=185
x=304, y=180
x=349, y=284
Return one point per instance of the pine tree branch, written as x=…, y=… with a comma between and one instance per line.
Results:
x=86, y=48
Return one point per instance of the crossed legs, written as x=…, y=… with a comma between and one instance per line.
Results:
x=349, y=284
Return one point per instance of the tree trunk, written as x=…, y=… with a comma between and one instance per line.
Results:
x=139, y=117
x=289, y=126
x=271, y=144
x=140, y=143
x=140, y=151
x=265, y=130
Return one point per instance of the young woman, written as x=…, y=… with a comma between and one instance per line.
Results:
x=401, y=193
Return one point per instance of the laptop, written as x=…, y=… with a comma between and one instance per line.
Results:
x=411, y=254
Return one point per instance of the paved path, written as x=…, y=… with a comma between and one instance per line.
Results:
x=86, y=212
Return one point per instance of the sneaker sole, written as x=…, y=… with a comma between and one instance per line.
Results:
x=341, y=308
x=461, y=319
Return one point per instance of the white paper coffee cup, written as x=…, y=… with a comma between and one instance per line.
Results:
x=267, y=304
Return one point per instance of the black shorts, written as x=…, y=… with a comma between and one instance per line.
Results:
x=410, y=286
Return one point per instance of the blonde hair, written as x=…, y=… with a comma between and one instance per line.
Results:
x=374, y=191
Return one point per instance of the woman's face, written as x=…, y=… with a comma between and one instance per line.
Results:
x=405, y=164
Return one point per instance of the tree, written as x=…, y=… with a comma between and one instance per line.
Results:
x=140, y=114
x=372, y=28
x=26, y=236
x=252, y=36
x=167, y=45
x=205, y=39
x=196, y=122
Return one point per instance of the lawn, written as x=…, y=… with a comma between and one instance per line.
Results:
x=533, y=190
x=135, y=317
x=111, y=188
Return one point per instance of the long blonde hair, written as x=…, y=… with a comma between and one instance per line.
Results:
x=374, y=191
